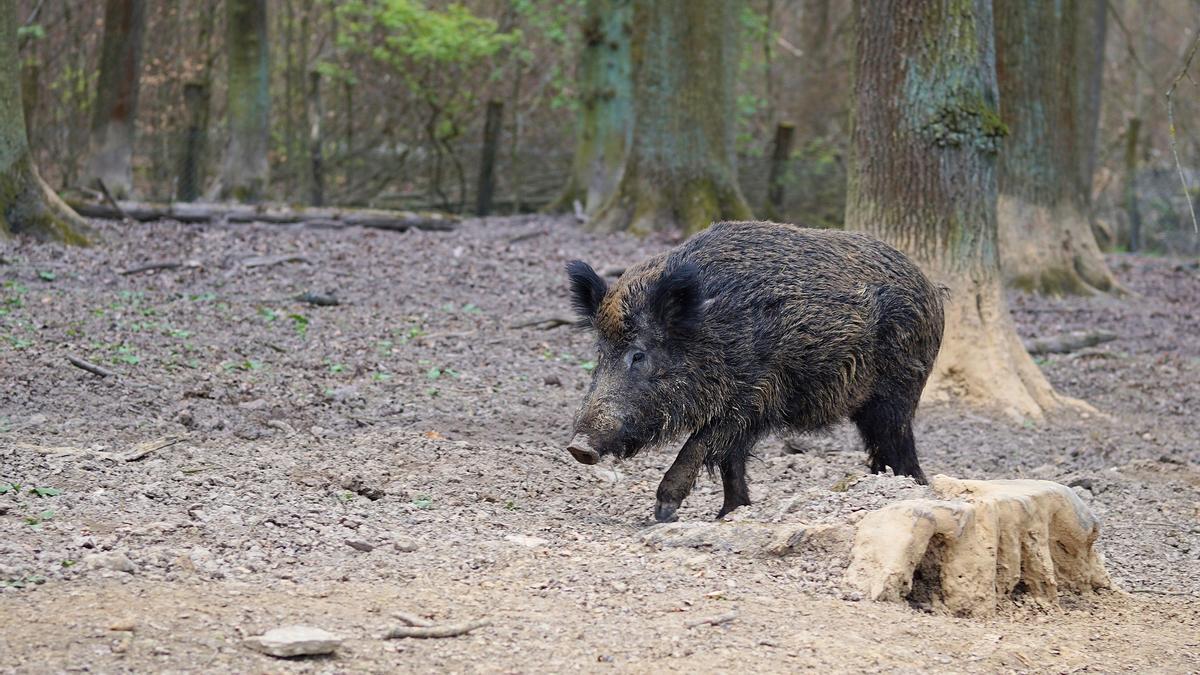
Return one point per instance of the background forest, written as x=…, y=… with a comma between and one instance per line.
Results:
x=394, y=97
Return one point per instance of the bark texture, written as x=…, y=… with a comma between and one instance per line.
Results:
x=605, y=125
x=680, y=171
x=27, y=204
x=922, y=176
x=1048, y=60
x=110, y=157
x=244, y=169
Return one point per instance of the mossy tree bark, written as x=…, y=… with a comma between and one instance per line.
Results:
x=680, y=170
x=27, y=204
x=923, y=177
x=1049, y=57
x=605, y=125
x=244, y=169
x=110, y=157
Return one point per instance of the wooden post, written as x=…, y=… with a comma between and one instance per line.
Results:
x=1131, y=197
x=487, y=166
x=195, y=138
x=315, y=112
x=780, y=154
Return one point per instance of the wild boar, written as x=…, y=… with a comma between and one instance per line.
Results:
x=749, y=328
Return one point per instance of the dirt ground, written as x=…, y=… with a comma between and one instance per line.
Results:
x=260, y=461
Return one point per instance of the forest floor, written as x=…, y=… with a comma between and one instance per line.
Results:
x=259, y=461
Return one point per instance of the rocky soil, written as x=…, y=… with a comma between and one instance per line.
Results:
x=258, y=461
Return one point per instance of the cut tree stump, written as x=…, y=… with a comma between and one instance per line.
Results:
x=274, y=214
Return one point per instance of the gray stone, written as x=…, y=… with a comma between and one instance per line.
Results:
x=290, y=641
x=113, y=560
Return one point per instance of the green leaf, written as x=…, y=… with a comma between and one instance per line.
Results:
x=47, y=276
x=46, y=492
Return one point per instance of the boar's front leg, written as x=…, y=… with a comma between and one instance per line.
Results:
x=714, y=440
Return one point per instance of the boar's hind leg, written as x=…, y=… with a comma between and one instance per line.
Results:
x=886, y=429
x=733, y=479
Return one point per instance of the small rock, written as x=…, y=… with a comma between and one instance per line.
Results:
x=290, y=641
x=1085, y=483
x=404, y=546
x=125, y=625
x=552, y=381
x=360, y=545
x=525, y=540
x=114, y=560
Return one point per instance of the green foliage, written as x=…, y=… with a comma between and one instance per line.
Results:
x=397, y=32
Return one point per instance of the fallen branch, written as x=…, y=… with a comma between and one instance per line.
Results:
x=151, y=267
x=269, y=260
x=318, y=300
x=273, y=214
x=413, y=619
x=444, y=631
x=527, y=236
x=142, y=449
x=90, y=367
x=550, y=322
x=713, y=620
x=108, y=197
x=1068, y=342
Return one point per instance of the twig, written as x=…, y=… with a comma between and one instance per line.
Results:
x=108, y=197
x=434, y=336
x=1187, y=64
x=90, y=367
x=412, y=619
x=527, y=236
x=551, y=322
x=268, y=260
x=713, y=620
x=445, y=631
x=580, y=214
x=151, y=267
x=142, y=449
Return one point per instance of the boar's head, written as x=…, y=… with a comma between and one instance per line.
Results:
x=647, y=328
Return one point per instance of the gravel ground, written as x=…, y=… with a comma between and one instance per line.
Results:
x=258, y=460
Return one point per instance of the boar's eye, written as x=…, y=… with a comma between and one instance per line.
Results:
x=635, y=359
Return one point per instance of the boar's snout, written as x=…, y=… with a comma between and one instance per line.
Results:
x=582, y=451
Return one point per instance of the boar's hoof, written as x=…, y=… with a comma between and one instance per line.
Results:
x=582, y=451
x=664, y=512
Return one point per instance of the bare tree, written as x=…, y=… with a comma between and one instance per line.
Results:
x=244, y=169
x=681, y=169
x=27, y=204
x=110, y=156
x=926, y=131
x=1048, y=59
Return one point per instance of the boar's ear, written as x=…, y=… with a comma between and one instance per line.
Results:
x=587, y=290
x=675, y=300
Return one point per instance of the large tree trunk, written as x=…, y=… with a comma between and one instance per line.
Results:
x=681, y=169
x=1048, y=60
x=244, y=168
x=110, y=157
x=605, y=125
x=27, y=204
x=923, y=177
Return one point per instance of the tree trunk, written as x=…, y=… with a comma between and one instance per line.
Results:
x=605, y=124
x=195, y=142
x=781, y=153
x=316, y=113
x=110, y=155
x=487, y=164
x=27, y=204
x=244, y=170
x=681, y=169
x=1048, y=60
x=922, y=176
